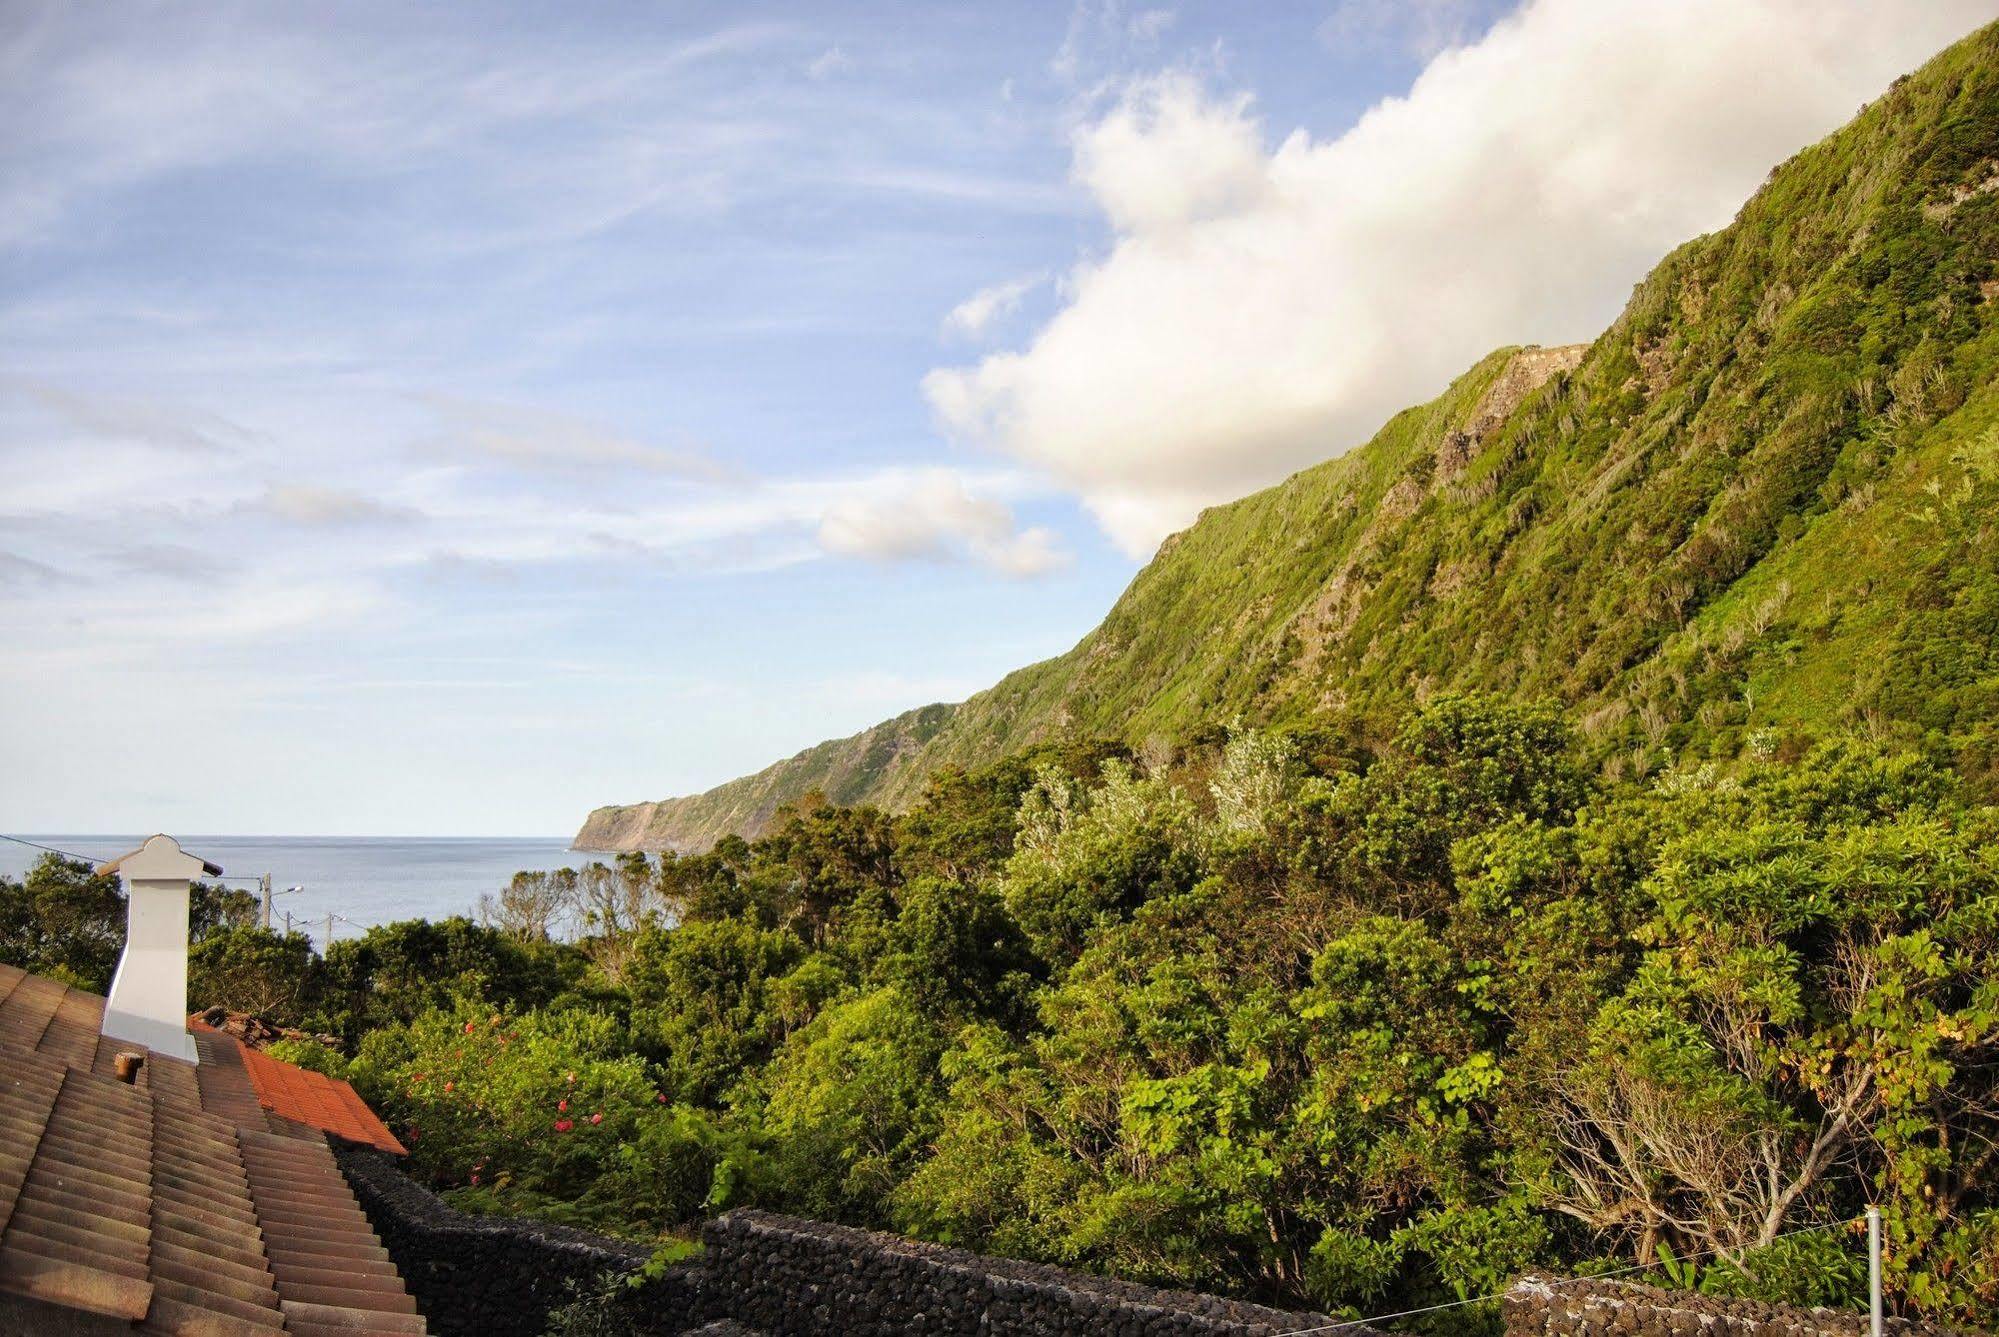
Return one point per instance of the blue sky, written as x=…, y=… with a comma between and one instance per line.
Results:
x=443, y=419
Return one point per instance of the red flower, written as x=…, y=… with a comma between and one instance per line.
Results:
x=596, y=1118
x=468, y=1028
x=562, y=1105
x=475, y=1179
x=449, y=1085
x=563, y=1125
x=661, y=1097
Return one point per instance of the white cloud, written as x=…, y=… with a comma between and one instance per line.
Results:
x=169, y=561
x=1419, y=28
x=833, y=60
x=312, y=504
x=932, y=515
x=971, y=318
x=102, y=106
x=540, y=439
x=1265, y=307
x=1167, y=157
x=1101, y=31
x=143, y=422
x=17, y=571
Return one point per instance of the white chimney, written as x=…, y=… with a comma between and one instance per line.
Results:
x=148, y=1002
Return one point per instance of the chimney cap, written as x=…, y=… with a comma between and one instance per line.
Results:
x=160, y=857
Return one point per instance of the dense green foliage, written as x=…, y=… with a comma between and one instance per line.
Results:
x=1762, y=500
x=1362, y=1027
x=1662, y=932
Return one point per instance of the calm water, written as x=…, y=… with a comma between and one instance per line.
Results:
x=365, y=881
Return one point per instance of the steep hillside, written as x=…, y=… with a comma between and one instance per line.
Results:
x=1761, y=505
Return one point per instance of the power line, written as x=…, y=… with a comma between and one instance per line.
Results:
x=95, y=859
x=67, y=854
x=1560, y=1281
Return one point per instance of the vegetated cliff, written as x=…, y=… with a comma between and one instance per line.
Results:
x=1761, y=505
x=846, y=770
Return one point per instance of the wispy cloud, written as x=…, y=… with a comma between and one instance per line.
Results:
x=171, y=561
x=540, y=439
x=145, y=422
x=833, y=60
x=101, y=109
x=932, y=515
x=974, y=316
x=312, y=504
x=18, y=572
x=1104, y=32
x=1420, y=28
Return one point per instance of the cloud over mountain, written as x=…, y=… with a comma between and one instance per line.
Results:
x=1265, y=303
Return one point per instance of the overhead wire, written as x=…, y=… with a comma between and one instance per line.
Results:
x=67, y=854
x=94, y=860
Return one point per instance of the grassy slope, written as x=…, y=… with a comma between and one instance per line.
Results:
x=1765, y=499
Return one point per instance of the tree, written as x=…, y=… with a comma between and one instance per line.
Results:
x=1086, y=856
x=396, y=972
x=1459, y=765
x=614, y=904
x=63, y=920
x=250, y=969
x=702, y=1001
x=212, y=906
x=1812, y=1002
x=536, y=906
x=955, y=952
x=850, y=1104
x=819, y=857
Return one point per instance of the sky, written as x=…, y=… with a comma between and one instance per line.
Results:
x=446, y=419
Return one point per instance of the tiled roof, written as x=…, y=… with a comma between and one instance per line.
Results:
x=177, y=1202
x=316, y=1100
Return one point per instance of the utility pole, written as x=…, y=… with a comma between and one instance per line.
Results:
x=264, y=885
x=1874, y=1271
x=329, y=934
x=288, y=923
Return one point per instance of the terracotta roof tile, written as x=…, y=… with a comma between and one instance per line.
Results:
x=172, y=1201
x=313, y=1098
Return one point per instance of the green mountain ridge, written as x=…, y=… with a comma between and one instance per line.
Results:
x=1759, y=507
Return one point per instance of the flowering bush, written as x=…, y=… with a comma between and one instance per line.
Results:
x=545, y=1097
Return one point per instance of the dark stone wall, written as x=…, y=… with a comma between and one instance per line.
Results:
x=1582, y=1307
x=762, y=1273
x=495, y=1276
x=783, y=1276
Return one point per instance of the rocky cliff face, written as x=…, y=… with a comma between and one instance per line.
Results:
x=1760, y=505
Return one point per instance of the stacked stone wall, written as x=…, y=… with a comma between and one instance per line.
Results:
x=782, y=1275
x=1585, y=1307
x=760, y=1273
x=497, y=1276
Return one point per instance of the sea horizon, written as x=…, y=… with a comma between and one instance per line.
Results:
x=363, y=881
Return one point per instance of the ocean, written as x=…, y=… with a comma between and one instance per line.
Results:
x=363, y=881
